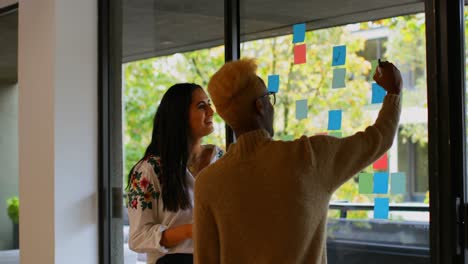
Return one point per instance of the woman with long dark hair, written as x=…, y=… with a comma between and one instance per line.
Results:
x=160, y=185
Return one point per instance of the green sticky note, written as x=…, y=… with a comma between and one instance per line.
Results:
x=366, y=183
x=337, y=134
x=287, y=138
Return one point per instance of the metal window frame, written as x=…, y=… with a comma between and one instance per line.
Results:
x=446, y=109
x=446, y=124
x=231, y=45
x=103, y=140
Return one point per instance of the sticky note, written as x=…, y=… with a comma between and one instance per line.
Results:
x=339, y=55
x=301, y=109
x=287, y=138
x=381, y=182
x=398, y=183
x=374, y=64
x=299, y=33
x=381, y=208
x=366, y=183
x=378, y=94
x=334, y=119
x=336, y=134
x=321, y=134
x=300, y=54
x=273, y=83
x=339, y=75
x=381, y=163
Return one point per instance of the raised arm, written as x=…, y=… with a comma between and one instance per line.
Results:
x=343, y=158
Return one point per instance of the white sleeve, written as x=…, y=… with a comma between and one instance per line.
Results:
x=142, y=198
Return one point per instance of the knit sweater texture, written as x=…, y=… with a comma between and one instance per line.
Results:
x=266, y=201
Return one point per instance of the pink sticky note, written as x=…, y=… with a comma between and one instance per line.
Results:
x=300, y=54
x=321, y=133
x=381, y=163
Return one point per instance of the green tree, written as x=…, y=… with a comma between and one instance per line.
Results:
x=147, y=80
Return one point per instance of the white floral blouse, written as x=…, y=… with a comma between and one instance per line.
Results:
x=145, y=210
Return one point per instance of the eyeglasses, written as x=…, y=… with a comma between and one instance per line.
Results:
x=271, y=98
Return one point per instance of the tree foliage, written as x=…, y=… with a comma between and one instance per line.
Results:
x=147, y=80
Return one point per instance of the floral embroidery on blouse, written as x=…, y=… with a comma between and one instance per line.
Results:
x=156, y=163
x=219, y=154
x=142, y=192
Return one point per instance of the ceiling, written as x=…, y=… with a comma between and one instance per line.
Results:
x=155, y=28
x=162, y=27
x=9, y=47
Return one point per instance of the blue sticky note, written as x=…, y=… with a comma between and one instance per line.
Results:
x=299, y=33
x=381, y=182
x=273, y=83
x=381, y=208
x=398, y=183
x=334, y=119
x=339, y=55
x=378, y=94
x=339, y=75
x=301, y=109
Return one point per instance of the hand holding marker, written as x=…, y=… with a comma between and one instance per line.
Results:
x=389, y=77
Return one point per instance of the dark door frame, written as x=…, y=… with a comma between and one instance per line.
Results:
x=446, y=109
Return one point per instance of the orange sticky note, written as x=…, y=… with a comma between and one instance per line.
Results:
x=321, y=134
x=381, y=163
x=300, y=54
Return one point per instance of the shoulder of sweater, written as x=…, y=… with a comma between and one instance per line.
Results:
x=211, y=172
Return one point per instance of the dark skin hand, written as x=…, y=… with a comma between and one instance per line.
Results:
x=389, y=77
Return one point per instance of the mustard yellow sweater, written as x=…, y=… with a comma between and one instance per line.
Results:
x=266, y=201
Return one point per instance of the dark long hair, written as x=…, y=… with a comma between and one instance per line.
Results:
x=169, y=141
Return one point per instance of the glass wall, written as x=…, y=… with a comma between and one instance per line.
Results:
x=165, y=42
x=9, y=202
x=360, y=227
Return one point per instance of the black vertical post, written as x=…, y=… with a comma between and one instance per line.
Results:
x=231, y=44
x=446, y=106
x=103, y=140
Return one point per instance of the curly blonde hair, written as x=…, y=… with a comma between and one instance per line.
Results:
x=234, y=88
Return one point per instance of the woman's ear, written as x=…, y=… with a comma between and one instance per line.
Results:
x=260, y=107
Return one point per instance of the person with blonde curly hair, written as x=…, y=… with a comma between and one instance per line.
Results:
x=266, y=201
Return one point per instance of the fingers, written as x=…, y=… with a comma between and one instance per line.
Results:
x=384, y=66
x=388, y=76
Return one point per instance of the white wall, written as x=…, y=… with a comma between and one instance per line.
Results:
x=58, y=123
